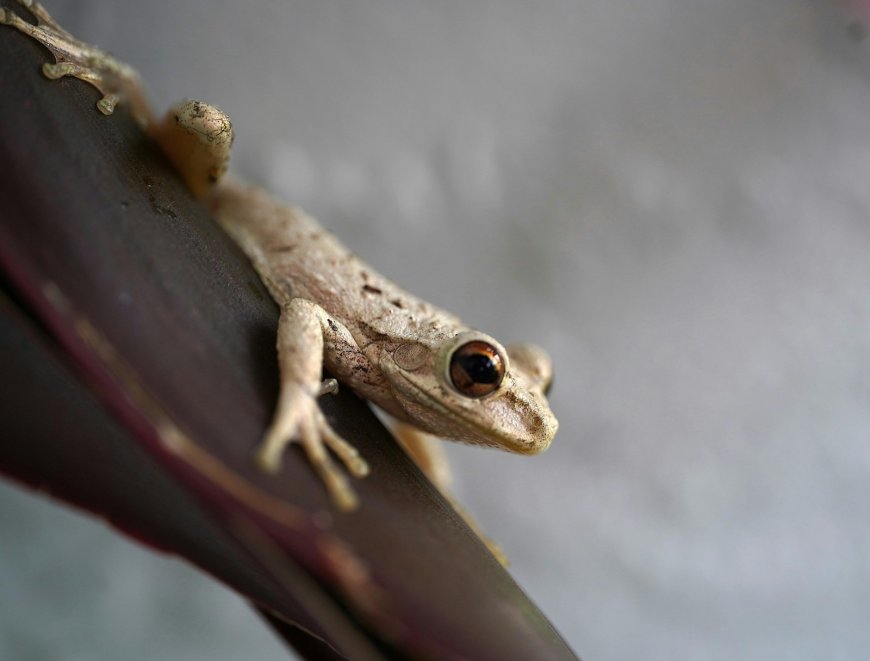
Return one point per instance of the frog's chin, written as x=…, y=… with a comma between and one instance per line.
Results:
x=499, y=435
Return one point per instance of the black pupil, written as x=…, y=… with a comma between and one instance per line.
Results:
x=479, y=367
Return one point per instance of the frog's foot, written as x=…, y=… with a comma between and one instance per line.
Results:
x=115, y=80
x=299, y=419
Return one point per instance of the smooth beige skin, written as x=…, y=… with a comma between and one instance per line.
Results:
x=392, y=348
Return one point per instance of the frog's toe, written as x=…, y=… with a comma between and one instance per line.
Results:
x=357, y=466
x=9, y=17
x=301, y=421
x=328, y=387
x=107, y=104
x=316, y=436
x=284, y=428
x=268, y=456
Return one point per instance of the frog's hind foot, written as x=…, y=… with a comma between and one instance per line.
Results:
x=9, y=17
x=428, y=453
x=115, y=80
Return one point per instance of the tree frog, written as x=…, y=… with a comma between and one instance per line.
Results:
x=420, y=364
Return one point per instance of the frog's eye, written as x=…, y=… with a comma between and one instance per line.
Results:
x=476, y=368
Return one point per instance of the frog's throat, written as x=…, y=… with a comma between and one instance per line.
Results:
x=506, y=442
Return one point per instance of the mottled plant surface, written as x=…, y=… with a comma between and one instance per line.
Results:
x=139, y=373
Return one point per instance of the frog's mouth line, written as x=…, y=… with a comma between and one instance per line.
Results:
x=507, y=442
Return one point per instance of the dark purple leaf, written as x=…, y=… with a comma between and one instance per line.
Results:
x=140, y=372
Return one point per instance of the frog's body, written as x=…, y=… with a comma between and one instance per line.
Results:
x=419, y=363
x=298, y=259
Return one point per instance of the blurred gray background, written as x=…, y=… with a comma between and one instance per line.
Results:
x=672, y=196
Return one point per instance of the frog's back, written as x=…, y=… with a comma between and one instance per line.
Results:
x=296, y=257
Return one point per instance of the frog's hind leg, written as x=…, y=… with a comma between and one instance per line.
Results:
x=115, y=80
x=195, y=135
x=427, y=452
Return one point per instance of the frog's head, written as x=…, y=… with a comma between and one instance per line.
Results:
x=470, y=388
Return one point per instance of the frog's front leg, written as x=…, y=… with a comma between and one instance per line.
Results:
x=304, y=331
x=115, y=80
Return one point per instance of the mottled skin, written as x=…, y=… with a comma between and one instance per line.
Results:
x=385, y=343
x=389, y=346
